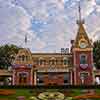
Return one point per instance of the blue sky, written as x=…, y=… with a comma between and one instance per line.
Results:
x=49, y=24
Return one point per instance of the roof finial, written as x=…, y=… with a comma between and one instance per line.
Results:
x=80, y=16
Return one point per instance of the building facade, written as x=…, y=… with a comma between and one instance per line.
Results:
x=65, y=68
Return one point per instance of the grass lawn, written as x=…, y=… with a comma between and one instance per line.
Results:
x=34, y=92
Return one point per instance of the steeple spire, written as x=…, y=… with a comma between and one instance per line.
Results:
x=79, y=12
x=80, y=21
x=81, y=34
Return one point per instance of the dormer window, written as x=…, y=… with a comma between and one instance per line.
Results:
x=52, y=61
x=41, y=61
x=65, y=61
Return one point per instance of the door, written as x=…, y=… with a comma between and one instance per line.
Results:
x=23, y=79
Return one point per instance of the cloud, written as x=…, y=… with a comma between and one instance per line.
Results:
x=49, y=24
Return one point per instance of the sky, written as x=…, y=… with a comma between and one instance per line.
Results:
x=49, y=24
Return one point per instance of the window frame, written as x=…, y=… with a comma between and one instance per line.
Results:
x=84, y=60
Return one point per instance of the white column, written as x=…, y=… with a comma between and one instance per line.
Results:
x=13, y=77
x=74, y=75
x=74, y=69
x=31, y=81
x=35, y=79
x=71, y=78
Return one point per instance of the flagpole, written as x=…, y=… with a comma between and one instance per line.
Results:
x=25, y=41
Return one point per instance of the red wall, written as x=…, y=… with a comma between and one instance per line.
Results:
x=89, y=79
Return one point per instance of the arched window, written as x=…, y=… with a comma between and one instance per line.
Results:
x=83, y=59
x=19, y=58
x=41, y=61
x=52, y=61
x=23, y=57
x=27, y=58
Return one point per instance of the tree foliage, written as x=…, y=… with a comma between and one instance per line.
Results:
x=96, y=51
x=7, y=55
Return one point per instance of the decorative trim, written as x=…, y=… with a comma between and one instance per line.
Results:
x=86, y=49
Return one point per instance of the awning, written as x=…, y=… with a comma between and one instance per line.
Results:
x=5, y=73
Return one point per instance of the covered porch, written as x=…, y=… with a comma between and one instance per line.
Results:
x=53, y=76
x=5, y=77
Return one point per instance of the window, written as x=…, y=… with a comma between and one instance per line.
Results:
x=83, y=59
x=65, y=61
x=23, y=57
x=40, y=79
x=41, y=61
x=22, y=77
x=67, y=78
x=52, y=75
x=19, y=58
x=27, y=58
x=83, y=75
x=52, y=61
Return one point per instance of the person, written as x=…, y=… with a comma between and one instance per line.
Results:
x=97, y=80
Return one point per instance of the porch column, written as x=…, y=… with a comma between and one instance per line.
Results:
x=71, y=77
x=31, y=82
x=13, y=78
x=74, y=76
x=35, y=79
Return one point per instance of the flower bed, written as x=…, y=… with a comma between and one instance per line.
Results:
x=3, y=99
x=51, y=96
x=33, y=98
x=67, y=93
x=91, y=96
x=7, y=92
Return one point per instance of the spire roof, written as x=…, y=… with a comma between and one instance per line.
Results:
x=81, y=34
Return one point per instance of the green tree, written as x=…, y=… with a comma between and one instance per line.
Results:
x=96, y=51
x=7, y=55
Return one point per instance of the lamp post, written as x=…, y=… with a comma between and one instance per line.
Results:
x=82, y=79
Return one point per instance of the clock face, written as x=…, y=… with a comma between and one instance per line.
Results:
x=83, y=44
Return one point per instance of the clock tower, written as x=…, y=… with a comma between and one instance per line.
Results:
x=82, y=56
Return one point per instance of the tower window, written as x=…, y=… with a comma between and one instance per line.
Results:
x=83, y=59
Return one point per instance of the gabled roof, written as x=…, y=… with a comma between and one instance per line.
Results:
x=25, y=52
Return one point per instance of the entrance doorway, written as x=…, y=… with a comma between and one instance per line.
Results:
x=23, y=79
